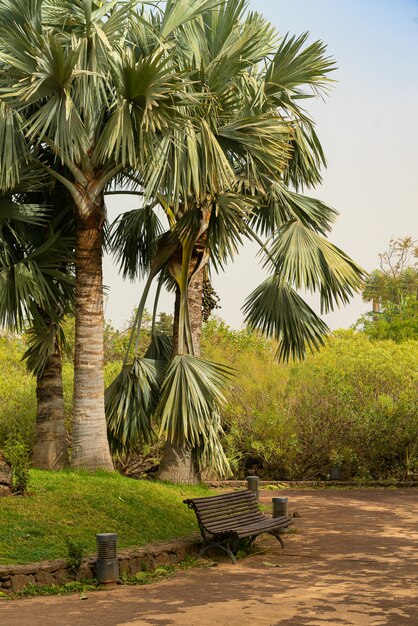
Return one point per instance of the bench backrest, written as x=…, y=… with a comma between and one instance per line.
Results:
x=226, y=511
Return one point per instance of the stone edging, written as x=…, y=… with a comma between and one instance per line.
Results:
x=239, y=484
x=13, y=578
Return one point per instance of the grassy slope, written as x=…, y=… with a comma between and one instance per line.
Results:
x=80, y=505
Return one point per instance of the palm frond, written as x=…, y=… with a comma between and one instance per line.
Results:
x=294, y=66
x=130, y=402
x=133, y=240
x=277, y=311
x=14, y=151
x=34, y=214
x=227, y=226
x=42, y=337
x=160, y=348
x=264, y=139
x=280, y=205
x=190, y=394
x=178, y=12
x=308, y=261
x=211, y=455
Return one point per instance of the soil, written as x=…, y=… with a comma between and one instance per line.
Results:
x=352, y=562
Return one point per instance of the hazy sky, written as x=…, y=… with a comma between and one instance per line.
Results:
x=368, y=127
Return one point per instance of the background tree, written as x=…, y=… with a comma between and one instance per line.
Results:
x=393, y=289
x=36, y=291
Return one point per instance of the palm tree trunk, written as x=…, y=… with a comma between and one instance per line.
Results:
x=50, y=451
x=376, y=309
x=177, y=463
x=90, y=445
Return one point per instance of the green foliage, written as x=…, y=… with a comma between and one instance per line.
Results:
x=355, y=400
x=393, y=290
x=76, y=551
x=394, y=324
x=30, y=591
x=17, y=392
x=17, y=453
x=145, y=578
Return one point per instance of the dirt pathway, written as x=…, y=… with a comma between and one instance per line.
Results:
x=353, y=562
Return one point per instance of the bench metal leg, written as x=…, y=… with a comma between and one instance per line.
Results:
x=226, y=548
x=279, y=539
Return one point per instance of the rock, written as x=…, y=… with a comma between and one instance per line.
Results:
x=162, y=559
x=45, y=578
x=22, y=580
x=62, y=576
x=84, y=572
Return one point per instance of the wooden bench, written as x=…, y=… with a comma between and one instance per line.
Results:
x=231, y=516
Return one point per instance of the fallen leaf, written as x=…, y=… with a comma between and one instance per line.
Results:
x=267, y=564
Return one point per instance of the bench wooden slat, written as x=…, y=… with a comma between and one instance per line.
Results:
x=229, y=497
x=225, y=519
x=225, y=511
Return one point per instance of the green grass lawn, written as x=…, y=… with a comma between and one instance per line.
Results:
x=80, y=505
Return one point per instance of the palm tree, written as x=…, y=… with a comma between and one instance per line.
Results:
x=94, y=82
x=228, y=177
x=375, y=290
x=36, y=287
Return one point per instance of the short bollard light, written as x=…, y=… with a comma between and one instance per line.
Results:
x=253, y=485
x=107, y=566
x=280, y=507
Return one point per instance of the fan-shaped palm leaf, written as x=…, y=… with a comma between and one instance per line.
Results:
x=134, y=237
x=277, y=311
x=131, y=400
x=160, y=348
x=210, y=455
x=190, y=394
x=308, y=261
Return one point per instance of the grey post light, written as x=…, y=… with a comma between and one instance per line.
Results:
x=107, y=566
x=280, y=507
x=253, y=485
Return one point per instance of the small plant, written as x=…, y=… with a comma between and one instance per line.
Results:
x=17, y=453
x=76, y=551
x=244, y=547
x=144, y=578
x=57, y=590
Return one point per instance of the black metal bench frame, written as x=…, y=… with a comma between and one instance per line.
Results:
x=231, y=516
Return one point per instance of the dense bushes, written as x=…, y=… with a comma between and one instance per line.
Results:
x=17, y=391
x=353, y=404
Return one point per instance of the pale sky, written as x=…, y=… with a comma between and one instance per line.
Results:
x=368, y=127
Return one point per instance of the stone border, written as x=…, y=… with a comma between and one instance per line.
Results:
x=13, y=578
x=289, y=484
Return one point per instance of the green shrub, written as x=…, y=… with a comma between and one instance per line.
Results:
x=76, y=551
x=353, y=403
x=17, y=392
x=17, y=453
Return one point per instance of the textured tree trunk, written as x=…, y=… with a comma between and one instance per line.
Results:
x=50, y=451
x=177, y=464
x=90, y=445
x=376, y=309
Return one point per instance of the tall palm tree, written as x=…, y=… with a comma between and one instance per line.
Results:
x=36, y=288
x=228, y=177
x=94, y=82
